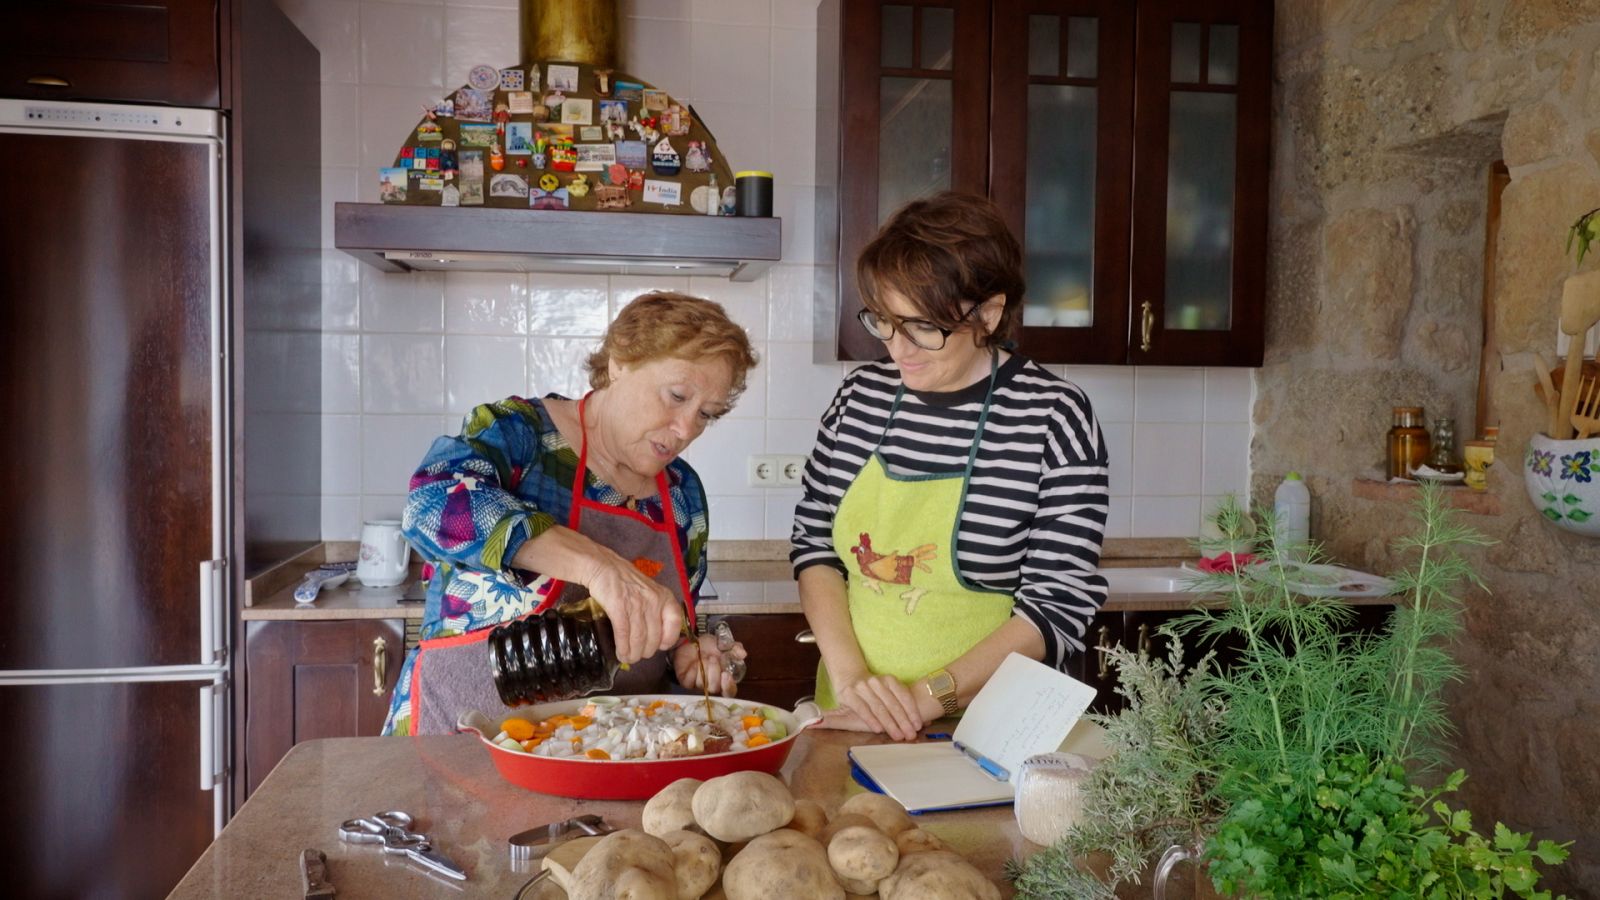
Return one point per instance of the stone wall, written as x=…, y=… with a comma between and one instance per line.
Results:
x=1388, y=115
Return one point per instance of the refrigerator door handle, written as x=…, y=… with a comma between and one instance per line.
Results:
x=213, y=643
x=213, y=753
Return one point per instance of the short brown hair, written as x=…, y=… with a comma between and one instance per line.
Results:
x=667, y=324
x=942, y=253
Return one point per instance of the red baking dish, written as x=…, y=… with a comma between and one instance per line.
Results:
x=627, y=779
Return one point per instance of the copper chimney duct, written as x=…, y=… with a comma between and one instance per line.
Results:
x=571, y=31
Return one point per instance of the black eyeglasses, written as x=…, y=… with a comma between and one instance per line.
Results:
x=920, y=332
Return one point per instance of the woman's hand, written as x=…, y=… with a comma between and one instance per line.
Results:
x=883, y=703
x=645, y=617
x=686, y=665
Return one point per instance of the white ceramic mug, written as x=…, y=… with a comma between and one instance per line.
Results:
x=385, y=555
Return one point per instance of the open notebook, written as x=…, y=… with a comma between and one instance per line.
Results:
x=1026, y=708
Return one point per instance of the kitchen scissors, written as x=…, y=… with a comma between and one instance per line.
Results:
x=392, y=829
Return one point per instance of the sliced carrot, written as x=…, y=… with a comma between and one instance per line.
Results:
x=656, y=704
x=649, y=567
x=517, y=729
x=757, y=740
x=597, y=753
x=531, y=743
x=577, y=742
x=579, y=723
x=751, y=721
x=649, y=712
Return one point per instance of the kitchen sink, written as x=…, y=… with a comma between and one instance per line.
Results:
x=1149, y=580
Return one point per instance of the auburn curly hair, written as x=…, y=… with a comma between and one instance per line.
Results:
x=667, y=324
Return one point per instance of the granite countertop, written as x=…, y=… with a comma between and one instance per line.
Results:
x=452, y=788
x=750, y=578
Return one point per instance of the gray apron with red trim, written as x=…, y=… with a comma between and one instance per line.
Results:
x=452, y=675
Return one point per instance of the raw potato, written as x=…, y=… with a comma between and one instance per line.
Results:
x=626, y=865
x=782, y=864
x=697, y=864
x=809, y=818
x=741, y=805
x=564, y=857
x=890, y=817
x=937, y=875
x=669, y=809
x=858, y=888
x=863, y=854
x=840, y=823
x=917, y=841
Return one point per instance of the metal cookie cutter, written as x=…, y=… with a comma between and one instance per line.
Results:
x=536, y=842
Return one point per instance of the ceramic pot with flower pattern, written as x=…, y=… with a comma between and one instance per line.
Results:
x=1563, y=479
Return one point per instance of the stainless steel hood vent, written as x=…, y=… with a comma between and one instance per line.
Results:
x=423, y=238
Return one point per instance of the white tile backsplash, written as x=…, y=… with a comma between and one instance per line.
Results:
x=404, y=301
x=486, y=303
x=392, y=447
x=568, y=305
x=479, y=369
x=405, y=356
x=402, y=44
x=402, y=373
x=1166, y=517
x=341, y=373
x=1165, y=463
x=1169, y=395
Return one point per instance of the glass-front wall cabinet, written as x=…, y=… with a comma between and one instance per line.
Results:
x=913, y=120
x=1125, y=141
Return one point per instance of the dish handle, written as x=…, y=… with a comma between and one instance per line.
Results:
x=475, y=722
x=807, y=713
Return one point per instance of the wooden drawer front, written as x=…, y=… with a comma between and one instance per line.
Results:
x=152, y=51
x=783, y=693
x=774, y=652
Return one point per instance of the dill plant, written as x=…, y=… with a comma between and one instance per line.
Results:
x=1298, y=765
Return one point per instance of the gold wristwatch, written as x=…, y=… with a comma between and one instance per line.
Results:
x=942, y=687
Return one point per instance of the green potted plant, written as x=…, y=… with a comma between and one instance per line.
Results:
x=1309, y=767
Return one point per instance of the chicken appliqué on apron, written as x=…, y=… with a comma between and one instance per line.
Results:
x=911, y=609
x=878, y=569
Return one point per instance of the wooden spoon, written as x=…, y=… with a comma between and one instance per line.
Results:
x=1580, y=310
x=1552, y=401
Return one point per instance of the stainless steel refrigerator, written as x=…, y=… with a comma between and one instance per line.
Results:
x=114, y=500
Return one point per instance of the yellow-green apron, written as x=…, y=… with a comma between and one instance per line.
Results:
x=912, y=612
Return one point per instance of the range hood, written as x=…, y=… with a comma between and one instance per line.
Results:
x=436, y=238
x=497, y=231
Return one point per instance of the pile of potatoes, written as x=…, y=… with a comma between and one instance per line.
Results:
x=775, y=847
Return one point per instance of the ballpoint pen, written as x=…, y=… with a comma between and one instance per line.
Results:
x=995, y=770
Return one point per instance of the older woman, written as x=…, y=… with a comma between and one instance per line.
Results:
x=956, y=497
x=545, y=501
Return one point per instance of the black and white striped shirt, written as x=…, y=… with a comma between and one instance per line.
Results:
x=1036, y=503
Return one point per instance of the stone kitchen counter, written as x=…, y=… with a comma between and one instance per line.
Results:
x=749, y=577
x=452, y=788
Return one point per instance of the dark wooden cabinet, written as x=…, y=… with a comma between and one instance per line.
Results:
x=1140, y=630
x=1045, y=106
x=131, y=51
x=313, y=680
x=782, y=666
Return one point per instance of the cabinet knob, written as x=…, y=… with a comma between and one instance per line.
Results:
x=380, y=665
x=49, y=81
x=1147, y=323
x=1103, y=645
x=805, y=637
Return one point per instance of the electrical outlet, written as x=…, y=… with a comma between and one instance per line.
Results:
x=762, y=471
x=790, y=470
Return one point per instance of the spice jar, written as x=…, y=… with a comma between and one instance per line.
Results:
x=1408, y=442
x=1442, y=446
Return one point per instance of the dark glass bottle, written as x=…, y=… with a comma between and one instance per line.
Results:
x=561, y=653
